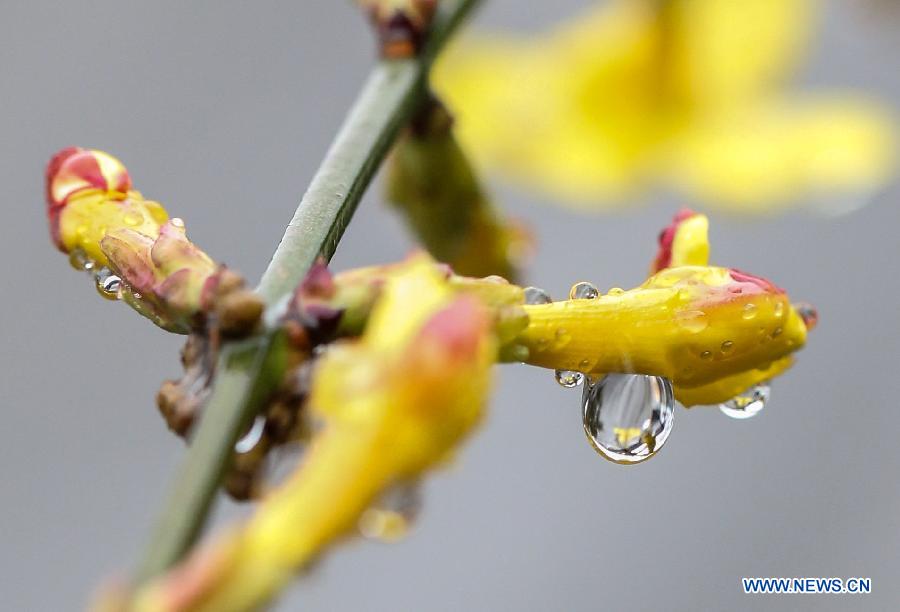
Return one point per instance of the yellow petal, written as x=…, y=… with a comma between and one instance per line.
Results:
x=762, y=158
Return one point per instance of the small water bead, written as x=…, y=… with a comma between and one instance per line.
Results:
x=615, y=291
x=706, y=355
x=584, y=364
x=628, y=417
x=569, y=378
x=177, y=222
x=133, y=218
x=536, y=295
x=750, y=311
x=694, y=321
x=79, y=260
x=749, y=403
x=583, y=291
x=779, y=309
x=776, y=332
x=394, y=514
x=727, y=346
x=108, y=284
x=250, y=439
x=808, y=313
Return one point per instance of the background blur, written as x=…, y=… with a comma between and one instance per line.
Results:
x=222, y=111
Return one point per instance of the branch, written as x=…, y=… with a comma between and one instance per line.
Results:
x=246, y=370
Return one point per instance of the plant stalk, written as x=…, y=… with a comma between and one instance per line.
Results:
x=247, y=371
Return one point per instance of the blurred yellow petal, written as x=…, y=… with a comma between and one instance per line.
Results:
x=730, y=51
x=389, y=406
x=757, y=159
x=637, y=93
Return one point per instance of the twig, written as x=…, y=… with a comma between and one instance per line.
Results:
x=246, y=370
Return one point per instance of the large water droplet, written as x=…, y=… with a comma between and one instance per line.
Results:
x=108, y=284
x=749, y=403
x=536, y=295
x=628, y=417
x=394, y=514
x=583, y=291
x=569, y=378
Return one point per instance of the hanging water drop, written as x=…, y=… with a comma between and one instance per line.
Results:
x=536, y=295
x=569, y=378
x=583, y=291
x=628, y=417
x=394, y=514
x=749, y=403
x=108, y=284
x=79, y=260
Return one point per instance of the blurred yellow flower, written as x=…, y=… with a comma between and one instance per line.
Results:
x=390, y=406
x=681, y=93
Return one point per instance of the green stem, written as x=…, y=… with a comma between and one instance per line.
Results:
x=247, y=371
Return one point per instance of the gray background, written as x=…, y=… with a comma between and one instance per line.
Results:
x=222, y=111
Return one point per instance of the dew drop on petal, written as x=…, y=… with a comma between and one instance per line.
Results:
x=615, y=291
x=178, y=222
x=628, y=417
x=394, y=514
x=536, y=295
x=749, y=403
x=108, y=284
x=133, y=218
x=694, y=321
x=569, y=378
x=583, y=291
x=727, y=346
x=749, y=311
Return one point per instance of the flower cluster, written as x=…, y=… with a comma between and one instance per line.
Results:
x=387, y=368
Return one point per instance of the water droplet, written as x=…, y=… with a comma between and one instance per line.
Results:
x=727, y=346
x=583, y=291
x=585, y=365
x=776, y=332
x=749, y=311
x=536, y=295
x=177, y=222
x=79, y=260
x=694, y=321
x=779, y=309
x=250, y=439
x=569, y=378
x=394, y=514
x=108, y=284
x=615, y=291
x=749, y=403
x=808, y=313
x=628, y=417
x=133, y=218
x=706, y=355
